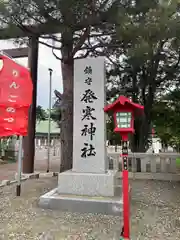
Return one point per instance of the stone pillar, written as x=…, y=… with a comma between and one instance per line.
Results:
x=89, y=153
x=90, y=174
x=89, y=187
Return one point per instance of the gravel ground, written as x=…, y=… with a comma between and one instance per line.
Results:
x=155, y=215
x=155, y=210
x=7, y=171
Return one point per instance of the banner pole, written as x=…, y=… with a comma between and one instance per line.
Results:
x=18, y=187
x=49, y=120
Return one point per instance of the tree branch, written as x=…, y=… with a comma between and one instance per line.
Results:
x=53, y=37
x=83, y=55
x=82, y=39
x=170, y=71
x=51, y=46
x=56, y=55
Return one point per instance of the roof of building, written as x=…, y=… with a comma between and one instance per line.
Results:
x=42, y=127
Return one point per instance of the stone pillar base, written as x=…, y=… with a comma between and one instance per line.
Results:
x=87, y=184
x=85, y=193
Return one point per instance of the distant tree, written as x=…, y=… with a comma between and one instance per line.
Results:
x=56, y=115
x=161, y=118
x=85, y=28
x=147, y=62
x=166, y=118
x=56, y=110
x=41, y=114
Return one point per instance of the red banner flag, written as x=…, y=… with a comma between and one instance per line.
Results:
x=15, y=97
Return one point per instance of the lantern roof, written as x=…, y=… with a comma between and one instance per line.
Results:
x=123, y=101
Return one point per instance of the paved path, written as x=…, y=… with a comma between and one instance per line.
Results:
x=7, y=171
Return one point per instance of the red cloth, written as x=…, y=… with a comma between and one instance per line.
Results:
x=13, y=121
x=15, y=98
x=15, y=84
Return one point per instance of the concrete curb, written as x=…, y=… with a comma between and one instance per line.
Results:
x=25, y=177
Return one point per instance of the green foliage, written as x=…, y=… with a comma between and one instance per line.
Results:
x=150, y=46
x=147, y=60
x=166, y=118
x=41, y=114
x=56, y=111
x=141, y=38
x=84, y=24
x=56, y=115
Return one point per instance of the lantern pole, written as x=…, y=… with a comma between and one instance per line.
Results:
x=18, y=187
x=121, y=108
x=125, y=229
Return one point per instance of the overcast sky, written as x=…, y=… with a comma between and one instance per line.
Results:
x=46, y=60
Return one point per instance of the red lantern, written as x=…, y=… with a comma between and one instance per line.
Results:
x=123, y=111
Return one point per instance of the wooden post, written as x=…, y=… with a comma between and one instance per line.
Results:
x=28, y=142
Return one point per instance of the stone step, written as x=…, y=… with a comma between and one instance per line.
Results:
x=82, y=204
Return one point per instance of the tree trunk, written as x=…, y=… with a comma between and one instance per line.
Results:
x=67, y=118
x=140, y=138
x=67, y=102
x=143, y=123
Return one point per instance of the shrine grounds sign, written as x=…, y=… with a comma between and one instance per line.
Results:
x=89, y=187
x=89, y=175
x=89, y=121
